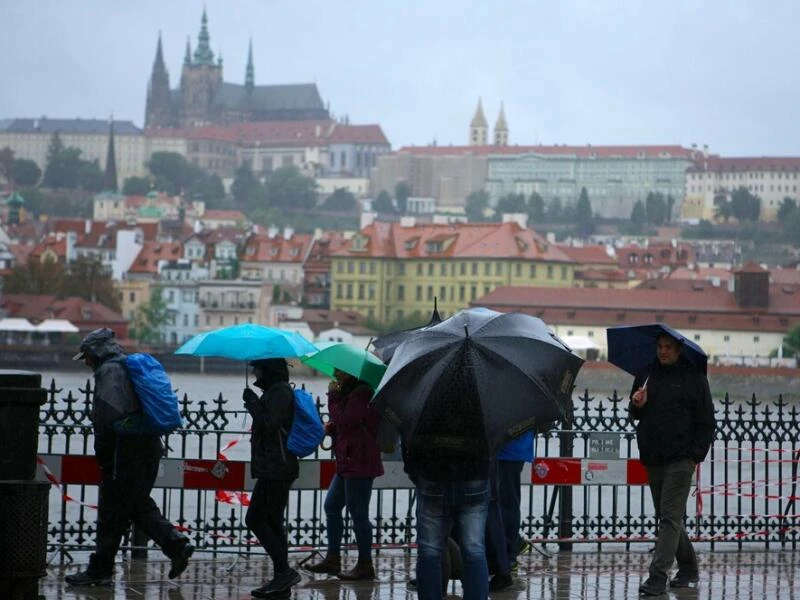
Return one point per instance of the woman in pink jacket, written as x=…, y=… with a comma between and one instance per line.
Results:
x=353, y=425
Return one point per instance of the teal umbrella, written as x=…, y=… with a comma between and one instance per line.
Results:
x=248, y=342
x=358, y=362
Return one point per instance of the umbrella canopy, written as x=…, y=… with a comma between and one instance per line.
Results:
x=633, y=348
x=16, y=324
x=358, y=362
x=248, y=342
x=385, y=345
x=510, y=364
x=56, y=326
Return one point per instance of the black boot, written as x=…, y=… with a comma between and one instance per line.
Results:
x=180, y=559
x=89, y=577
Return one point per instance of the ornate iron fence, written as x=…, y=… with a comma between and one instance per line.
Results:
x=745, y=492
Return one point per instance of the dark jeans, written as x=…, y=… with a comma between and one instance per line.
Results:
x=496, y=547
x=124, y=498
x=265, y=519
x=670, y=485
x=355, y=495
x=509, y=496
x=440, y=504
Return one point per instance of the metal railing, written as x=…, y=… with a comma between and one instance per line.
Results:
x=745, y=490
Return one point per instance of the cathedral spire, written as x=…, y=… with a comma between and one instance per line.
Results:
x=110, y=176
x=479, y=127
x=187, y=58
x=157, y=112
x=203, y=54
x=249, y=77
x=158, y=63
x=501, y=129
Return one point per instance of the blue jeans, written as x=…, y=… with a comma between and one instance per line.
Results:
x=439, y=505
x=355, y=494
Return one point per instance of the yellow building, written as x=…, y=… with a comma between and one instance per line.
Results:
x=389, y=271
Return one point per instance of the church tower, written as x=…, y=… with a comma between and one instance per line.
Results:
x=158, y=111
x=501, y=129
x=249, y=81
x=110, y=176
x=479, y=127
x=201, y=78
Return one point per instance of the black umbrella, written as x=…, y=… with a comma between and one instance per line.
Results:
x=385, y=345
x=507, y=366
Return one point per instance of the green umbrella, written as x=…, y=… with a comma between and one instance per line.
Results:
x=353, y=360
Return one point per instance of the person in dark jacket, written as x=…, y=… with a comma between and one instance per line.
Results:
x=273, y=467
x=353, y=425
x=672, y=405
x=128, y=467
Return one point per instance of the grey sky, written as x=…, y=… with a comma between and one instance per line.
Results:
x=595, y=71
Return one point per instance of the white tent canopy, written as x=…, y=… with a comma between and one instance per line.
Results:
x=56, y=326
x=580, y=342
x=16, y=324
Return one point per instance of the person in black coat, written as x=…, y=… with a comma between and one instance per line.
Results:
x=273, y=467
x=128, y=467
x=672, y=405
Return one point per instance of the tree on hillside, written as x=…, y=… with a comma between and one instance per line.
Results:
x=655, y=207
x=341, y=200
x=246, y=189
x=87, y=278
x=745, y=206
x=136, y=186
x=723, y=210
x=171, y=172
x=584, y=216
x=34, y=277
x=66, y=169
x=638, y=216
x=288, y=188
x=555, y=210
x=536, y=208
x=383, y=203
x=402, y=192
x=670, y=207
x=791, y=342
x=149, y=319
x=787, y=207
x=511, y=203
x=476, y=203
x=25, y=172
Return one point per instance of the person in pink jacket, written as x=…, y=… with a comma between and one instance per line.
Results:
x=353, y=425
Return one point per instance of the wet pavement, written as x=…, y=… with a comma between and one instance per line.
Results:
x=773, y=574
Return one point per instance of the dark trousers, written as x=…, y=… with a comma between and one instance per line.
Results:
x=355, y=494
x=124, y=498
x=670, y=485
x=509, y=496
x=265, y=519
x=496, y=552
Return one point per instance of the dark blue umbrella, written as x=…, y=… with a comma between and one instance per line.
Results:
x=386, y=344
x=633, y=347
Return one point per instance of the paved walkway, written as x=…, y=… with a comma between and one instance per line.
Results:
x=585, y=575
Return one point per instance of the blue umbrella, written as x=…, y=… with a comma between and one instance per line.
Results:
x=633, y=347
x=248, y=342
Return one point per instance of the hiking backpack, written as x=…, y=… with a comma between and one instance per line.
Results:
x=306, y=432
x=160, y=413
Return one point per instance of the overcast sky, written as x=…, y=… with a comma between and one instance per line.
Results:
x=723, y=72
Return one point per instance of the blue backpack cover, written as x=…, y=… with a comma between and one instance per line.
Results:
x=160, y=413
x=306, y=432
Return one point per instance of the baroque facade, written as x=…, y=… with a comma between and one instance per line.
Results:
x=203, y=97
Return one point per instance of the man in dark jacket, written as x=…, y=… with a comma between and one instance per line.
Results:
x=672, y=403
x=128, y=467
x=273, y=467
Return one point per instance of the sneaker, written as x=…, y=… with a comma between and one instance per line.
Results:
x=88, y=577
x=279, y=584
x=500, y=582
x=330, y=565
x=653, y=587
x=181, y=560
x=684, y=579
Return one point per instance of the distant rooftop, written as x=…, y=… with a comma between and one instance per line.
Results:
x=45, y=125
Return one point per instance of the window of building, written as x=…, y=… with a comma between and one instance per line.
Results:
x=418, y=295
x=430, y=293
x=696, y=337
x=473, y=292
x=349, y=289
x=756, y=339
x=549, y=271
x=727, y=338
x=360, y=291
x=442, y=293
x=401, y=292
x=532, y=271
x=419, y=269
x=487, y=268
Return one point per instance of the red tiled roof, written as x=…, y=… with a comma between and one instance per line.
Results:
x=261, y=248
x=555, y=150
x=224, y=215
x=358, y=134
x=152, y=252
x=270, y=133
x=21, y=252
x=36, y=308
x=662, y=254
x=470, y=240
x=589, y=255
x=52, y=243
x=747, y=163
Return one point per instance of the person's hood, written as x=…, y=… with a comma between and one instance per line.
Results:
x=99, y=344
x=273, y=370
